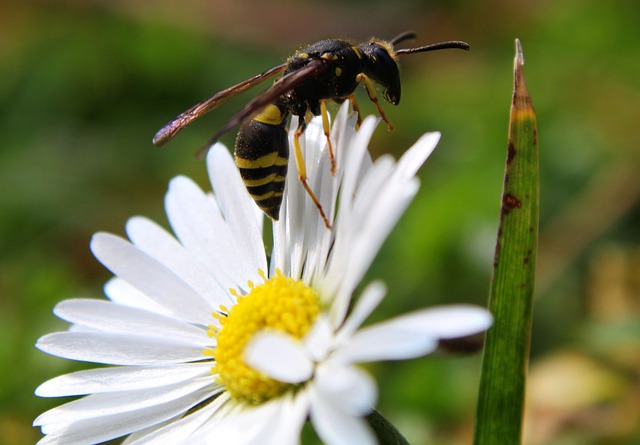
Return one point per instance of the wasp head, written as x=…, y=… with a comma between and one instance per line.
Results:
x=381, y=67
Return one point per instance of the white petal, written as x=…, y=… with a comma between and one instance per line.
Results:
x=239, y=424
x=99, y=429
x=325, y=186
x=452, y=321
x=371, y=297
x=301, y=239
x=199, y=225
x=380, y=220
x=286, y=426
x=277, y=422
x=110, y=317
x=384, y=194
x=413, y=158
x=380, y=343
x=120, y=379
x=237, y=206
x=180, y=431
x=354, y=156
x=144, y=432
x=342, y=134
x=318, y=339
x=349, y=388
x=334, y=427
x=150, y=277
x=159, y=244
x=414, y=334
x=279, y=356
x=118, y=349
x=121, y=292
x=107, y=404
x=359, y=238
x=290, y=229
x=378, y=210
x=380, y=198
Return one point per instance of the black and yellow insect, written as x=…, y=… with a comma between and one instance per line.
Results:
x=327, y=70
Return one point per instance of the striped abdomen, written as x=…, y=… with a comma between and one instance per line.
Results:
x=262, y=156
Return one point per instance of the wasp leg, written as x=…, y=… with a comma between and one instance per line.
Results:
x=302, y=171
x=371, y=91
x=327, y=130
x=356, y=109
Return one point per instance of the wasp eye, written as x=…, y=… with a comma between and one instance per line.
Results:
x=383, y=69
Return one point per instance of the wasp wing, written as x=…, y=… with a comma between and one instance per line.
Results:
x=254, y=107
x=175, y=125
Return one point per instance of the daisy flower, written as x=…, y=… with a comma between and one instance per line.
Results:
x=209, y=341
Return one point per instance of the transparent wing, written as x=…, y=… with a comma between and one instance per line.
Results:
x=287, y=83
x=175, y=125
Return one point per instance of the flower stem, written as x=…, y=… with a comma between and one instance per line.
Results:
x=505, y=358
x=385, y=432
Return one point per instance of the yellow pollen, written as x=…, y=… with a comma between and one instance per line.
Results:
x=280, y=303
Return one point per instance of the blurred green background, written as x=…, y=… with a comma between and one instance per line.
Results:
x=85, y=84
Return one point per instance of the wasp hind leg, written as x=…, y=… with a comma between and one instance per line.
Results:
x=371, y=91
x=302, y=171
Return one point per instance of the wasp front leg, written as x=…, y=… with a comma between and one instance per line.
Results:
x=302, y=170
x=356, y=110
x=327, y=132
x=371, y=91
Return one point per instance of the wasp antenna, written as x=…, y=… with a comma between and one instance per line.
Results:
x=407, y=35
x=453, y=44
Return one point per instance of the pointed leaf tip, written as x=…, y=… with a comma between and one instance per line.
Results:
x=519, y=59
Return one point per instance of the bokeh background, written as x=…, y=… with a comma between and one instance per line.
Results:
x=84, y=85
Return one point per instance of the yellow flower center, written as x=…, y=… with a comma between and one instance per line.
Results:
x=280, y=303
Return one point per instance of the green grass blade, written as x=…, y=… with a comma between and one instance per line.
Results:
x=506, y=353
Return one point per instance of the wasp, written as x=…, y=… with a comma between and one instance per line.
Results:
x=330, y=69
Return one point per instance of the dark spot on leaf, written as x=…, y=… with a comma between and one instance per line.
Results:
x=511, y=153
x=496, y=254
x=509, y=203
x=527, y=257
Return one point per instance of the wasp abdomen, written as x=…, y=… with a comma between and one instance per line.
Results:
x=262, y=156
